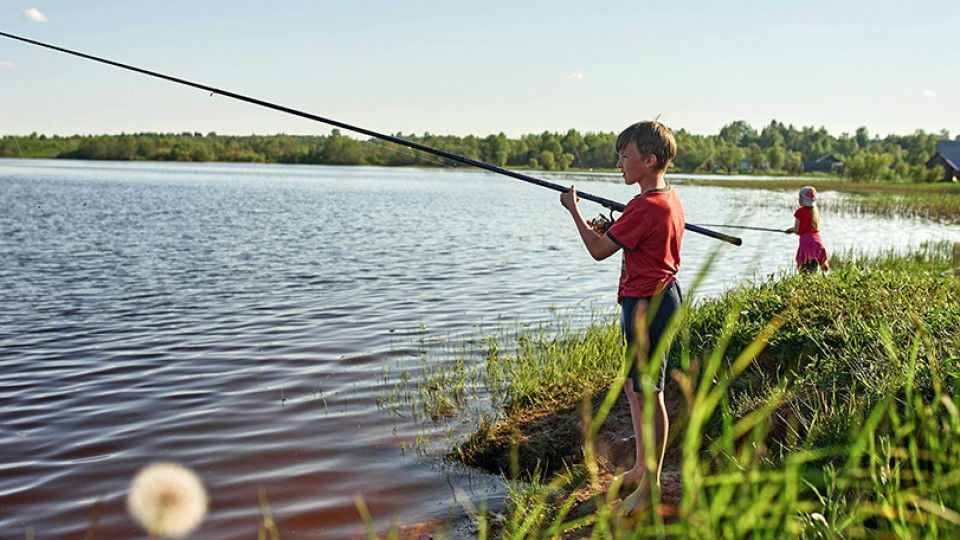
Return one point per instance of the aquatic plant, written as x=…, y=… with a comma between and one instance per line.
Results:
x=938, y=201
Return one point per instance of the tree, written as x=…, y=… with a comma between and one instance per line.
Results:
x=520, y=154
x=793, y=163
x=573, y=143
x=8, y=147
x=730, y=156
x=549, y=143
x=693, y=157
x=921, y=174
x=776, y=156
x=863, y=137
x=738, y=133
x=868, y=167
x=496, y=149
x=547, y=160
x=599, y=150
x=200, y=153
x=341, y=150
x=782, y=147
x=772, y=135
x=846, y=146
x=815, y=143
x=757, y=156
x=919, y=147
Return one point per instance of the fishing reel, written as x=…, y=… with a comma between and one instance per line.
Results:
x=601, y=223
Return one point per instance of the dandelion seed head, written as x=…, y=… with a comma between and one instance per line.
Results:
x=167, y=499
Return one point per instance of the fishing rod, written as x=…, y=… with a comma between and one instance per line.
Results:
x=612, y=205
x=748, y=228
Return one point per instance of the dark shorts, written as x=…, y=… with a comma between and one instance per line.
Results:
x=669, y=301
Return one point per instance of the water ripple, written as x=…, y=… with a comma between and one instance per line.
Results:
x=245, y=320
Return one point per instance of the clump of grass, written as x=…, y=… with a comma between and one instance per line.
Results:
x=816, y=407
x=827, y=184
x=837, y=337
x=943, y=207
x=545, y=369
x=517, y=368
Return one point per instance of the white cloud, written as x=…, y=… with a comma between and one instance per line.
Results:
x=6, y=64
x=34, y=15
x=929, y=93
x=576, y=76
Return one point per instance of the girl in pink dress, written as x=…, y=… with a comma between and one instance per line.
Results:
x=811, y=254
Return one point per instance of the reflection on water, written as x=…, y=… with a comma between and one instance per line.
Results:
x=245, y=319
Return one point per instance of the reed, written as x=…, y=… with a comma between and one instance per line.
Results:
x=940, y=201
x=943, y=207
x=826, y=184
x=515, y=366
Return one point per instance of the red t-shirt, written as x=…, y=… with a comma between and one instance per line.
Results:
x=805, y=215
x=649, y=231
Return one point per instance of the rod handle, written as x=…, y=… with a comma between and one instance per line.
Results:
x=714, y=234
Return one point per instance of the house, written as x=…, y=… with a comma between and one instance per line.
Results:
x=825, y=163
x=948, y=157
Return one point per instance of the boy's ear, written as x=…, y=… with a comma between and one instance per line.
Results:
x=650, y=160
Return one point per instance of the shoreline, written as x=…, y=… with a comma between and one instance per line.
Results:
x=545, y=442
x=827, y=184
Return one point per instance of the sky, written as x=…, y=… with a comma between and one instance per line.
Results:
x=472, y=67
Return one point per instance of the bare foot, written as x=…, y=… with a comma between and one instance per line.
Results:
x=634, y=503
x=631, y=479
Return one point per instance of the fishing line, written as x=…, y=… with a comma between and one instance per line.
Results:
x=612, y=205
x=748, y=228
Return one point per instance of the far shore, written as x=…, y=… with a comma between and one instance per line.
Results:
x=937, y=200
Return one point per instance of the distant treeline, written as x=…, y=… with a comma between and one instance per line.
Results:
x=774, y=149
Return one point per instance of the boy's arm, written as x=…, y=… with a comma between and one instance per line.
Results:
x=599, y=246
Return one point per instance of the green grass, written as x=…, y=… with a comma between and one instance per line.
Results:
x=839, y=332
x=820, y=406
x=939, y=201
x=546, y=367
x=827, y=184
x=943, y=206
x=519, y=368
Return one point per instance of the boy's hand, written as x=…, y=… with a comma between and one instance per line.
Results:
x=569, y=199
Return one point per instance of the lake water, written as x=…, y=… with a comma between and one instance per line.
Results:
x=244, y=320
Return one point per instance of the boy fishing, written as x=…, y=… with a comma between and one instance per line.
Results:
x=649, y=232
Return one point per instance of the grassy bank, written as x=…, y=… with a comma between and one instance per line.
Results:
x=826, y=183
x=812, y=406
x=933, y=201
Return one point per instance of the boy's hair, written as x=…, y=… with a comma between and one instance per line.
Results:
x=651, y=137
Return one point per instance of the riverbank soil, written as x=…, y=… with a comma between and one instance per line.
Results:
x=546, y=442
